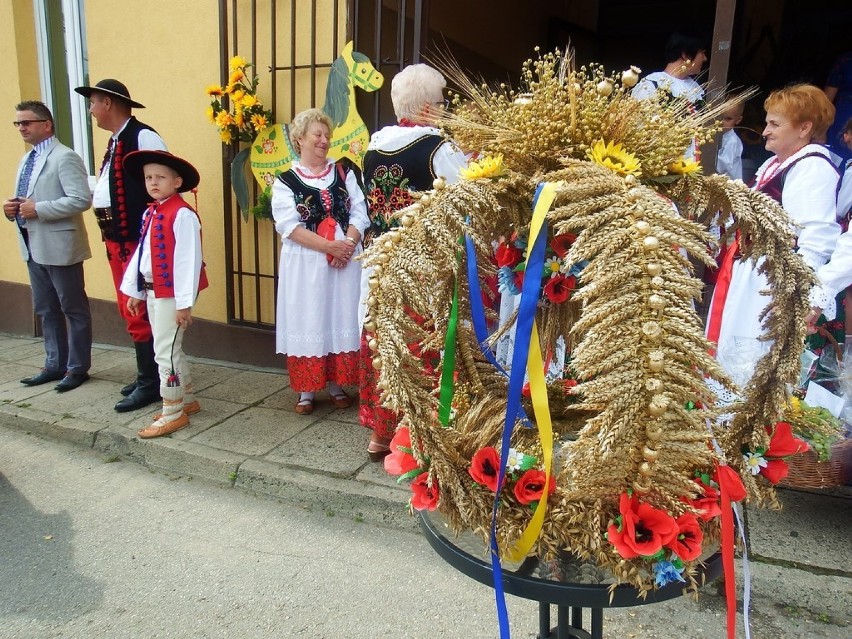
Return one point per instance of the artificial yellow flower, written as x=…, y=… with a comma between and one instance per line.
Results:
x=259, y=121
x=685, y=167
x=236, y=76
x=211, y=114
x=249, y=100
x=224, y=119
x=237, y=96
x=615, y=158
x=795, y=405
x=226, y=136
x=238, y=62
x=239, y=118
x=214, y=90
x=491, y=166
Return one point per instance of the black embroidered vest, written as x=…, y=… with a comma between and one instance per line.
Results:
x=128, y=197
x=309, y=200
x=392, y=176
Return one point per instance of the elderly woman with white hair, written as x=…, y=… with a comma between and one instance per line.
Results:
x=321, y=215
x=401, y=158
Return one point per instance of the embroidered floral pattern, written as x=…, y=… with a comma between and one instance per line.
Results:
x=311, y=374
x=387, y=193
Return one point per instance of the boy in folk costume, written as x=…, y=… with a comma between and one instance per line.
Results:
x=168, y=272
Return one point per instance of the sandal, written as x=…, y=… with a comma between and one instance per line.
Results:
x=377, y=450
x=342, y=400
x=305, y=407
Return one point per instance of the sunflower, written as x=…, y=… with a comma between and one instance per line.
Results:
x=685, y=167
x=259, y=121
x=248, y=100
x=615, y=158
x=235, y=77
x=491, y=166
x=214, y=90
x=211, y=114
x=238, y=62
x=226, y=137
x=239, y=117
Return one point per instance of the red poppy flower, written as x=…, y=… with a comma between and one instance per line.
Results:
x=687, y=542
x=425, y=496
x=400, y=460
x=775, y=470
x=559, y=287
x=730, y=481
x=508, y=254
x=708, y=504
x=644, y=530
x=561, y=243
x=530, y=487
x=485, y=466
x=783, y=443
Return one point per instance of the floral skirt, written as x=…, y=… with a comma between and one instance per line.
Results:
x=371, y=413
x=311, y=374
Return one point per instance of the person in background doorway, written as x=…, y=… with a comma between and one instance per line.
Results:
x=729, y=160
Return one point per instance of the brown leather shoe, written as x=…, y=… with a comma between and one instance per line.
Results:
x=165, y=429
x=304, y=407
x=342, y=401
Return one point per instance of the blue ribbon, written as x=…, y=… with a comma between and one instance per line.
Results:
x=526, y=315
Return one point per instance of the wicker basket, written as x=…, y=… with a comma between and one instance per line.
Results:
x=807, y=472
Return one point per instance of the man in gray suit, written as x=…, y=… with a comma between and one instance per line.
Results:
x=51, y=195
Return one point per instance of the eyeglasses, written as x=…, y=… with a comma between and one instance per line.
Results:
x=22, y=123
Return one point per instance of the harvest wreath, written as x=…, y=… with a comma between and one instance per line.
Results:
x=624, y=462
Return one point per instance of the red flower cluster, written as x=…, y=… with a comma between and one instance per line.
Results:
x=529, y=488
x=507, y=254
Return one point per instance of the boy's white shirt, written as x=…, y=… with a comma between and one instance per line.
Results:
x=187, y=261
x=729, y=160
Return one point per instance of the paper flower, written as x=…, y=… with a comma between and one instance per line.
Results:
x=491, y=166
x=425, y=493
x=485, y=466
x=707, y=504
x=559, y=287
x=615, y=158
x=666, y=572
x=561, y=243
x=507, y=254
x=641, y=530
x=400, y=460
x=530, y=486
x=552, y=267
x=506, y=281
x=754, y=462
x=687, y=543
x=685, y=167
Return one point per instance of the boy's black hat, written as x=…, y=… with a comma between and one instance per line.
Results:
x=134, y=162
x=110, y=87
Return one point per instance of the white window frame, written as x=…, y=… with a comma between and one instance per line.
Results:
x=77, y=62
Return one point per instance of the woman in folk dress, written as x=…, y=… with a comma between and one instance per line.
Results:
x=318, y=281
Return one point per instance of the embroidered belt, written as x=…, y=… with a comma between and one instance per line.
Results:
x=104, y=218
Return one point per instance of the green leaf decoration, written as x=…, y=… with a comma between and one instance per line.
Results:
x=527, y=462
x=272, y=134
x=258, y=148
x=411, y=474
x=238, y=181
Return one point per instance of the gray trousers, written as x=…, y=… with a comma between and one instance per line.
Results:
x=60, y=301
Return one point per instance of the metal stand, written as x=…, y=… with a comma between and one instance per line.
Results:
x=571, y=599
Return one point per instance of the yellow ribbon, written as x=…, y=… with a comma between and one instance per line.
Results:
x=538, y=395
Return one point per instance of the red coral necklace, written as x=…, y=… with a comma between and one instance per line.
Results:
x=311, y=176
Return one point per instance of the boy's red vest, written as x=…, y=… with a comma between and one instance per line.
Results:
x=160, y=230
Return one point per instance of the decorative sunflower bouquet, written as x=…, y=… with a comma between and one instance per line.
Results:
x=639, y=489
x=246, y=115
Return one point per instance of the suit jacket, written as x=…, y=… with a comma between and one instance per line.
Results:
x=59, y=185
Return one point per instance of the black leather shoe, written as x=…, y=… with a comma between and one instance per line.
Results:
x=126, y=390
x=139, y=398
x=43, y=377
x=71, y=381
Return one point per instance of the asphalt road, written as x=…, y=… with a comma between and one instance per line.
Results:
x=91, y=547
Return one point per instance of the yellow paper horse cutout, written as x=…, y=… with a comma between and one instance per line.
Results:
x=272, y=153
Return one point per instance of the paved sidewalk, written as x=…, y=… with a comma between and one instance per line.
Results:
x=247, y=436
